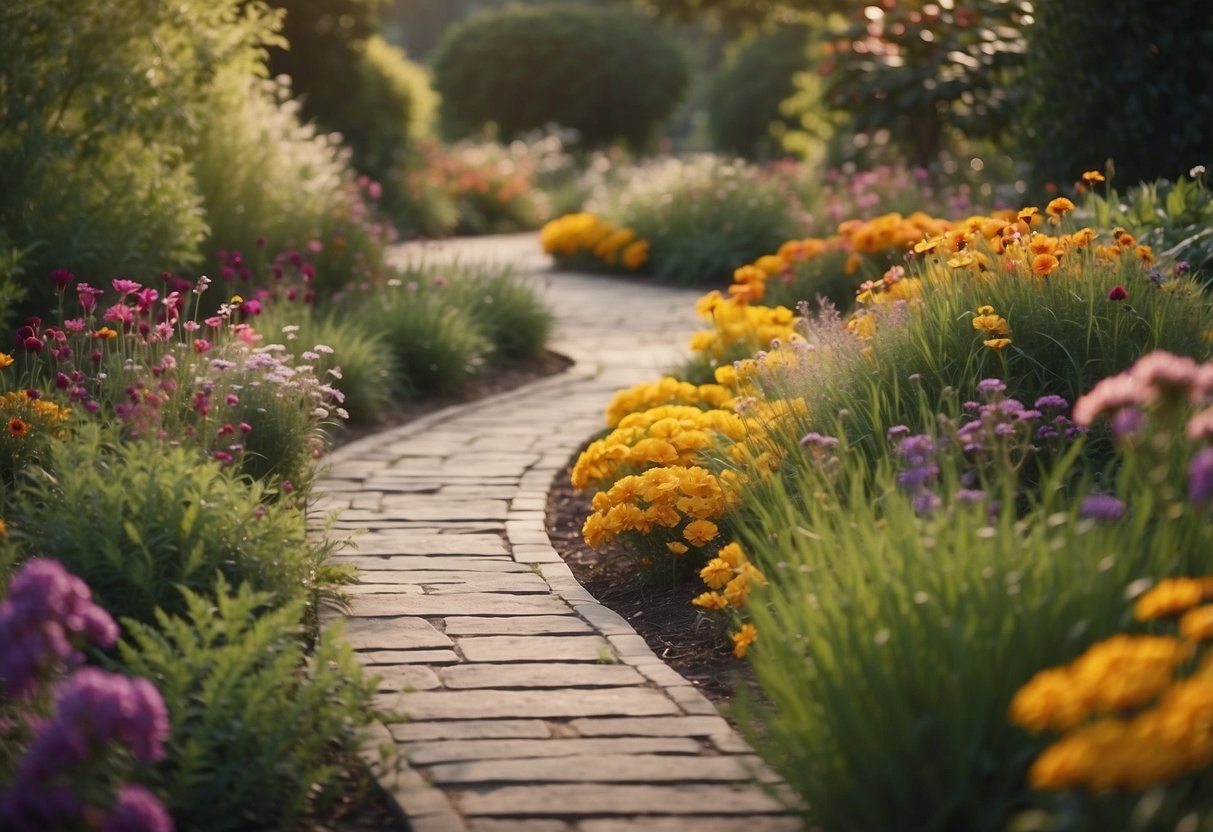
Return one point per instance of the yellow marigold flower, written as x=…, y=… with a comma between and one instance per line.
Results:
x=726, y=375
x=1029, y=214
x=6, y=360
x=1048, y=700
x=710, y=601
x=1069, y=761
x=732, y=554
x=1082, y=237
x=737, y=590
x=676, y=549
x=1127, y=671
x=1171, y=596
x=1145, y=254
x=1197, y=624
x=1044, y=264
x=1058, y=208
x=105, y=333
x=717, y=573
x=753, y=573
x=743, y=638
x=770, y=264
x=700, y=532
x=991, y=323
x=1092, y=177
x=863, y=326
x=635, y=254
x=997, y=344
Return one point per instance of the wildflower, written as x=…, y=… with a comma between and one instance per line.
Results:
x=17, y=427
x=1044, y=264
x=136, y=808
x=743, y=638
x=1117, y=293
x=700, y=532
x=990, y=323
x=1092, y=177
x=1197, y=624
x=997, y=344
x=6, y=360
x=1058, y=208
x=201, y=345
x=710, y=601
x=737, y=590
x=105, y=333
x=717, y=573
x=1101, y=507
x=1171, y=596
x=1200, y=478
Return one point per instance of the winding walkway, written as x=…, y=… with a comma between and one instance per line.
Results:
x=532, y=707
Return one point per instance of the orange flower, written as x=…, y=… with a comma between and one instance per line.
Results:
x=1091, y=177
x=105, y=333
x=998, y=344
x=1145, y=254
x=1058, y=208
x=743, y=638
x=6, y=360
x=1045, y=264
x=16, y=427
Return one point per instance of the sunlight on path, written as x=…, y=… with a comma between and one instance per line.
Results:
x=532, y=707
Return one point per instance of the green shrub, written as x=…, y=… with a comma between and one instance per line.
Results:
x=100, y=103
x=514, y=68
x=1148, y=111
x=138, y=521
x=437, y=346
x=255, y=724
x=506, y=309
x=392, y=106
x=261, y=172
x=744, y=112
x=703, y=216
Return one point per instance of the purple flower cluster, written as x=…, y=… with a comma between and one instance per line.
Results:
x=47, y=618
x=920, y=469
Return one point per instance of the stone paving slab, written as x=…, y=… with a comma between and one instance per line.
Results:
x=532, y=707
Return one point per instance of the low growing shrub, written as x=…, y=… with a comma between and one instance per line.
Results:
x=239, y=688
x=139, y=520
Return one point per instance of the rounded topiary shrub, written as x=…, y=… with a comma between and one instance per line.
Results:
x=610, y=74
x=746, y=94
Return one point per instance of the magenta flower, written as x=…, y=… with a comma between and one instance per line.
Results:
x=136, y=810
x=62, y=278
x=1101, y=507
x=125, y=287
x=1200, y=478
x=1117, y=293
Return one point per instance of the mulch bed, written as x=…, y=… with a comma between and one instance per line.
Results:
x=688, y=640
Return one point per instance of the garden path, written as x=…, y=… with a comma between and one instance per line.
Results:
x=532, y=708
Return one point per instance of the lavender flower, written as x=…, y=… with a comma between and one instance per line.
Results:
x=1200, y=478
x=48, y=616
x=136, y=810
x=990, y=386
x=1101, y=507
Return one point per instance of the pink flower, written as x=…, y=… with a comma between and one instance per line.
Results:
x=125, y=287
x=201, y=345
x=75, y=325
x=223, y=456
x=88, y=297
x=1117, y=293
x=62, y=278
x=120, y=313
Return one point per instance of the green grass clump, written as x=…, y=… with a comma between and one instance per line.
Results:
x=506, y=309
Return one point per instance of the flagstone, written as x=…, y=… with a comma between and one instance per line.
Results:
x=535, y=675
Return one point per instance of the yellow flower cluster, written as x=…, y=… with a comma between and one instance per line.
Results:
x=1131, y=723
x=729, y=576
x=21, y=413
x=667, y=390
x=737, y=323
x=586, y=233
x=679, y=502
x=660, y=436
x=994, y=327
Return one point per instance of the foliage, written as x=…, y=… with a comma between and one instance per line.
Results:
x=505, y=309
x=100, y=105
x=1150, y=113
x=262, y=173
x=512, y=68
x=238, y=687
x=703, y=215
x=139, y=520
x=917, y=70
x=436, y=346
x=744, y=112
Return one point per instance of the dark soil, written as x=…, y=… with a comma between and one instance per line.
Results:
x=690, y=641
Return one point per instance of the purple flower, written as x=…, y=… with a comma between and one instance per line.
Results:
x=990, y=386
x=136, y=810
x=36, y=810
x=1200, y=477
x=1101, y=507
x=897, y=432
x=819, y=442
x=1051, y=402
x=1127, y=421
x=925, y=503
x=969, y=495
x=48, y=616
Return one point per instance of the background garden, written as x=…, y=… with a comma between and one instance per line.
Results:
x=942, y=456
